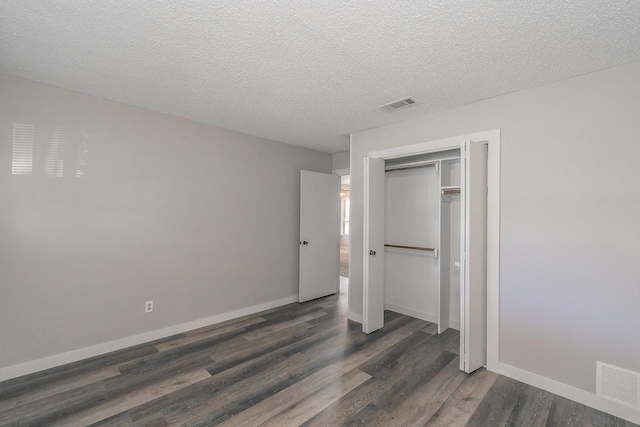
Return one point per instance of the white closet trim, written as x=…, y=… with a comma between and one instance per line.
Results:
x=493, y=221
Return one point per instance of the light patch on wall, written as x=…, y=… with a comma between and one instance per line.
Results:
x=22, y=160
x=46, y=153
x=82, y=151
x=54, y=165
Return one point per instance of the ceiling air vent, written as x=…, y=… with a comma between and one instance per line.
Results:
x=400, y=103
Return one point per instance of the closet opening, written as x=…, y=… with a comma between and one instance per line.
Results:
x=422, y=237
x=427, y=230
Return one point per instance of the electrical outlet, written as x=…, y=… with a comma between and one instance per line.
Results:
x=148, y=306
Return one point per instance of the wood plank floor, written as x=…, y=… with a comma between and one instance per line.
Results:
x=344, y=256
x=303, y=364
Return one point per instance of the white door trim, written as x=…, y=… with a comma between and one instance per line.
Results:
x=493, y=220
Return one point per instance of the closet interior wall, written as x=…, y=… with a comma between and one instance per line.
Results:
x=411, y=219
x=450, y=242
x=423, y=283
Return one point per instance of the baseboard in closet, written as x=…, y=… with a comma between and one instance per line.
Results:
x=454, y=324
x=355, y=317
x=422, y=315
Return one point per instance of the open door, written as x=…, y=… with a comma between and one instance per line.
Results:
x=473, y=295
x=319, y=232
x=373, y=283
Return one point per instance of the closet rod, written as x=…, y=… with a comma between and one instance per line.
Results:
x=415, y=248
x=402, y=168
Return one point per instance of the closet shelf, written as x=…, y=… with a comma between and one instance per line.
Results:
x=415, y=248
x=408, y=167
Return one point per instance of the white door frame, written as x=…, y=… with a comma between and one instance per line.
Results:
x=493, y=219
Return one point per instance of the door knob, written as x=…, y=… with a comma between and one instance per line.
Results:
x=372, y=252
x=304, y=242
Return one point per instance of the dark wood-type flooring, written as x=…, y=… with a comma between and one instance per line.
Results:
x=303, y=364
x=344, y=256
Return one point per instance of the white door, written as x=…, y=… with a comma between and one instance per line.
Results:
x=373, y=283
x=473, y=295
x=319, y=235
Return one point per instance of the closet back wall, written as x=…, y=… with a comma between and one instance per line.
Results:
x=412, y=207
x=125, y=205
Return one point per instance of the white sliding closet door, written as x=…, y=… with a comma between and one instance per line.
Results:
x=473, y=298
x=373, y=289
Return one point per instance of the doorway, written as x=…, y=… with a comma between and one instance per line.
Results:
x=345, y=210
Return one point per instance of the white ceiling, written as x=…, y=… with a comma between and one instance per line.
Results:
x=310, y=72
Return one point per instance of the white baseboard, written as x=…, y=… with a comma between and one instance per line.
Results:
x=355, y=317
x=411, y=312
x=96, y=350
x=422, y=315
x=572, y=393
x=454, y=324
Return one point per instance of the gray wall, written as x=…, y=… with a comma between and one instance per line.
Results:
x=201, y=220
x=569, y=229
x=341, y=160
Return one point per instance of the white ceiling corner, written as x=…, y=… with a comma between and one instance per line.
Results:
x=306, y=72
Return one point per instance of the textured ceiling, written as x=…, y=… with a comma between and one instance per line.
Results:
x=310, y=72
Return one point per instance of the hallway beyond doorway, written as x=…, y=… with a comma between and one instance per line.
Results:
x=344, y=256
